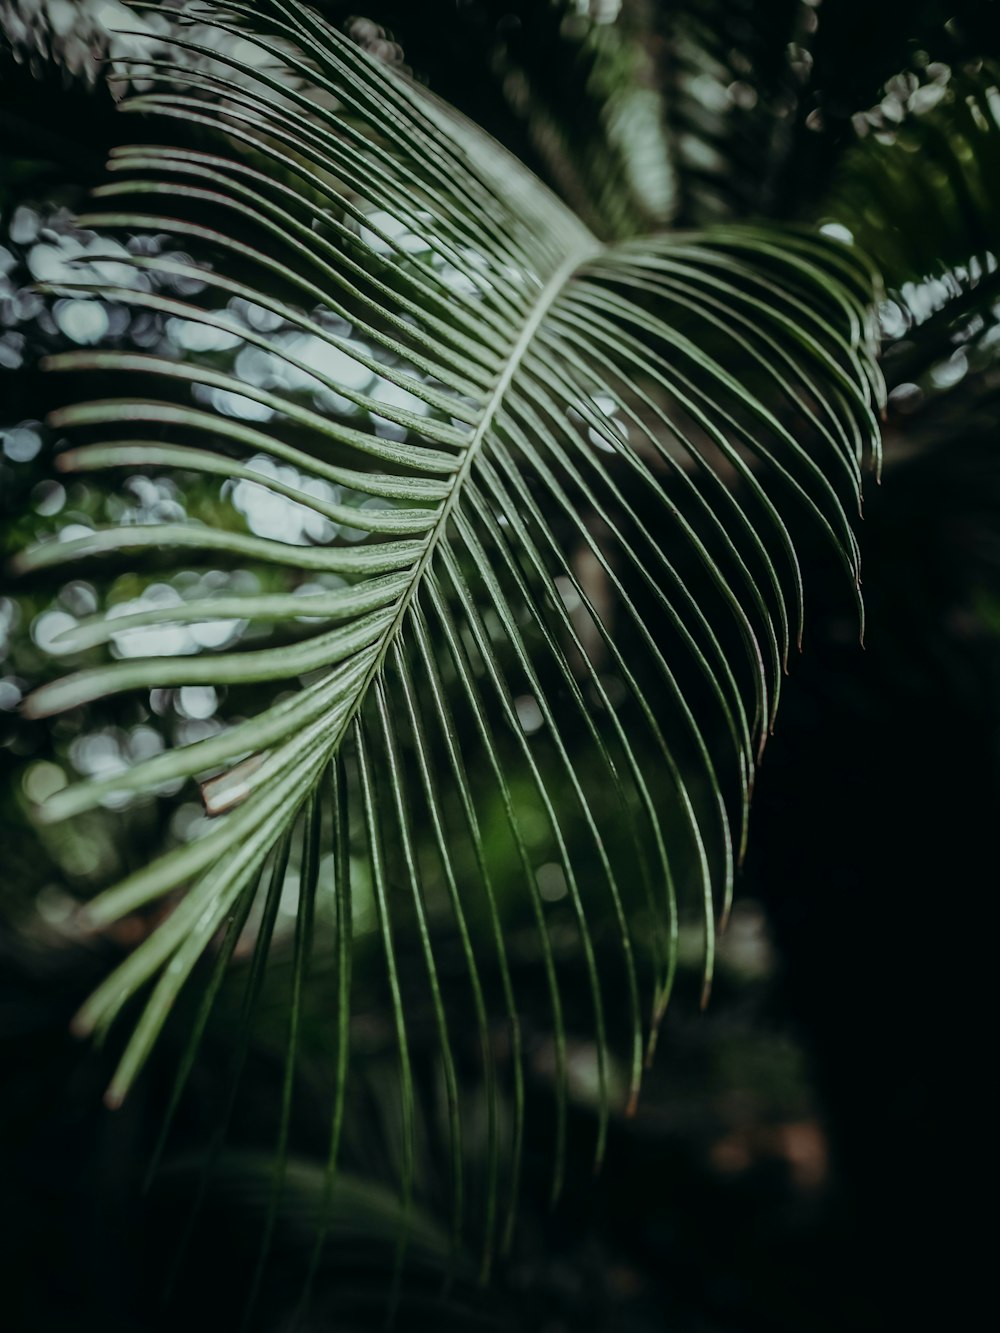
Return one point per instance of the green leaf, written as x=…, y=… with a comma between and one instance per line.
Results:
x=569, y=474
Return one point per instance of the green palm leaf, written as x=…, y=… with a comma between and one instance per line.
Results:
x=563, y=480
x=940, y=316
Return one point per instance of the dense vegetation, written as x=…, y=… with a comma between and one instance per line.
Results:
x=405, y=557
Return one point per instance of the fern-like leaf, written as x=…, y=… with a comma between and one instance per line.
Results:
x=562, y=480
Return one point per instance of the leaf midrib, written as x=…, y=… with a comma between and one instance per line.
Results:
x=547, y=297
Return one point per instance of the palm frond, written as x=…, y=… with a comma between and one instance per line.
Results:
x=555, y=485
x=928, y=149
x=931, y=146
